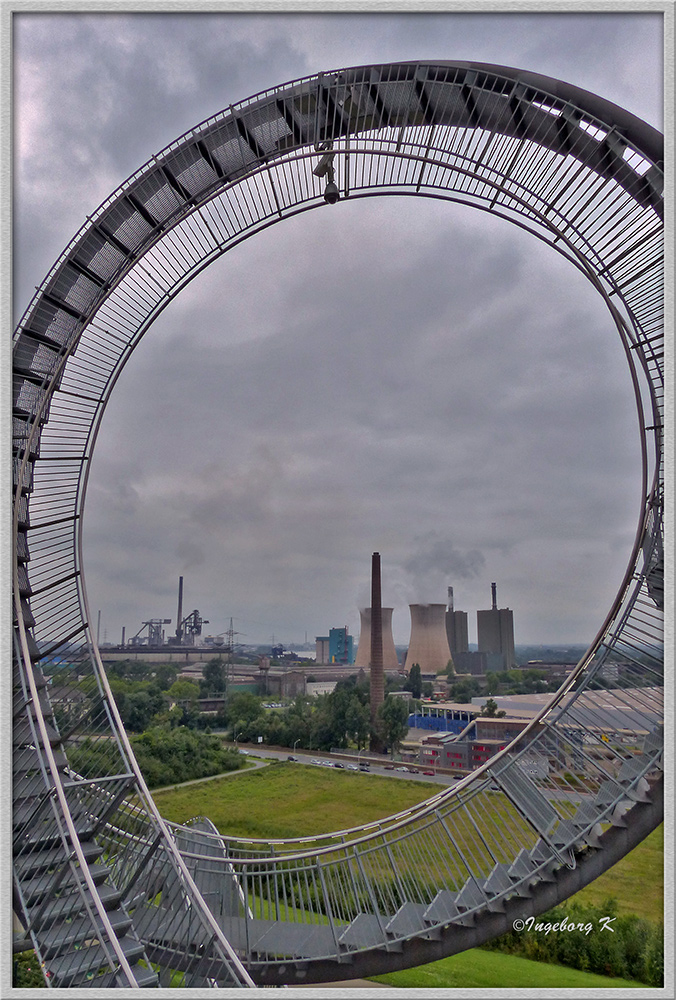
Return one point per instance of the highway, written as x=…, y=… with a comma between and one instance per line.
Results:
x=307, y=756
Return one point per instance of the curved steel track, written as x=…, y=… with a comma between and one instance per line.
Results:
x=105, y=890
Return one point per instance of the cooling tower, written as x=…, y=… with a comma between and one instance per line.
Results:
x=390, y=661
x=429, y=642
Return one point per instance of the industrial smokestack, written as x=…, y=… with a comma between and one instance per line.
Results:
x=429, y=643
x=123, y=635
x=179, y=615
x=377, y=674
x=363, y=657
x=450, y=598
x=494, y=594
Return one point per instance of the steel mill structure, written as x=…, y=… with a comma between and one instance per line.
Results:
x=106, y=891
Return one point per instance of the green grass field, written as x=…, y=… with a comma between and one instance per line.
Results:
x=288, y=800
x=476, y=969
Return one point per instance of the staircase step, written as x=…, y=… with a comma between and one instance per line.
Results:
x=72, y=905
x=566, y=835
x=526, y=796
x=609, y=792
x=586, y=814
x=145, y=978
x=498, y=881
x=66, y=934
x=522, y=865
x=409, y=920
x=31, y=862
x=365, y=931
x=470, y=896
x=76, y=966
x=54, y=881
x=31, y=784
x=29, y=759
x=21, y=705
x=587, y=818
x=174, y=928
x=654, y=741
x=44, y=832
x=540, y=853
x=297, y=941
x=23, y=734
x=32, y=811
x=444, y=908
x=632, y=767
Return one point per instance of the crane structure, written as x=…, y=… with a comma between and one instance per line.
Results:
x=155, y=635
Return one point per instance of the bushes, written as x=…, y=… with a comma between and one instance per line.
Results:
x=27, y=971
x=602, y=942
x=169, y=756
x=166, y=756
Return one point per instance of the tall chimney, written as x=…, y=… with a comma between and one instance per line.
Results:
x=363, y=657
x=179, y=615
x=450, y=598
x=494, y=593
x=123, y=635
x=377, y=672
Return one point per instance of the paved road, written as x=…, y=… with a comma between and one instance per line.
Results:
x=306, y=757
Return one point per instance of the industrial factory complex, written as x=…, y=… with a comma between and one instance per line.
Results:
x=438, y=641
x=442, y=734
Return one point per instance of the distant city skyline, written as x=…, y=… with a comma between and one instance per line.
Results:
x=386, y=374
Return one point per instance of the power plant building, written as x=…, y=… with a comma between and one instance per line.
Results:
x=495, y=631
x=363, y=658
x=429, y=646
x=456, y=628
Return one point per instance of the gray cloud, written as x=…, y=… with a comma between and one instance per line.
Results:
x=392, y=375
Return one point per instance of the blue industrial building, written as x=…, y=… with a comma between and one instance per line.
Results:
x=341, y=645
x=336, y=647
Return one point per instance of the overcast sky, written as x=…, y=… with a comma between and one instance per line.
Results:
x=391, y=374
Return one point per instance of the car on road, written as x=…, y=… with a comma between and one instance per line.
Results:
x=414, y=770
x=352, y=767
x=389, y=767
x=338, y=764
x=364, y=767
x=402, y=769
x=432, y=773
x=318, y=762
x=291, y=757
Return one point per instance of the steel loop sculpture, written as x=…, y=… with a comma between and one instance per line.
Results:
x=108, y=893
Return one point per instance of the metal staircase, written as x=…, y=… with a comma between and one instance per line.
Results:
x=106, y=892
x=69, y=907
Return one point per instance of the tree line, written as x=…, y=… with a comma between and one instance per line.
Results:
x=150, y=696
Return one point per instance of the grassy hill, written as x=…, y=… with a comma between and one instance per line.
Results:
x=477, y=969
